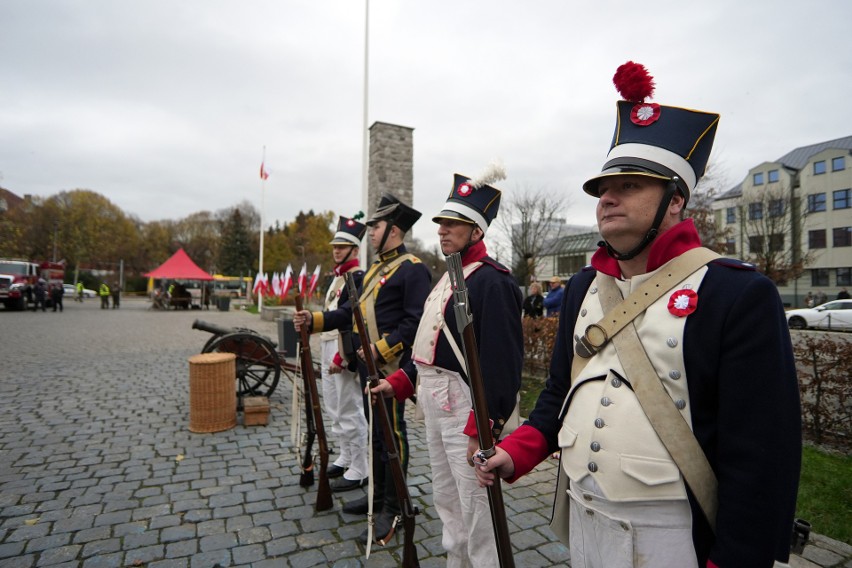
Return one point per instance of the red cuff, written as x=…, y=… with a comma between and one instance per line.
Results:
x=470, y=428
x=528, y=448
x=338, y=360
x=711, y=564
x=402, y=387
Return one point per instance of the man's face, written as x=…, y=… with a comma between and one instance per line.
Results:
x=454, y=235
x=339, y=252
x=376, y=231
x=627, y=206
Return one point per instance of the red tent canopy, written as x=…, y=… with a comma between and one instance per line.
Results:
x=179, y=267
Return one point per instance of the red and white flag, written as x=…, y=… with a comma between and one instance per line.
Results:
x=288, y=281
x=264, y=173
x=314, y=281
x=303, y=278
x=276, y=284
x=258, y=284
x=266, y=287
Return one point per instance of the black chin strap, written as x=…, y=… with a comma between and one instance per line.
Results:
x=347, y=257
x=388, y=227
x=671, y=187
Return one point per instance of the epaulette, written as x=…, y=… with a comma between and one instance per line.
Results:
x=491, y=262
x=587, y=268
x=734, y=263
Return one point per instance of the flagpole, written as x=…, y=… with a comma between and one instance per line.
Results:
x=262, y=207
x=365, y=140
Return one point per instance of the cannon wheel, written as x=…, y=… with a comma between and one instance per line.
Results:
x=258, y=363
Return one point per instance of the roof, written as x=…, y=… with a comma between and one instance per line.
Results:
x=798, y=158
x=573, y=244
x=179, y=267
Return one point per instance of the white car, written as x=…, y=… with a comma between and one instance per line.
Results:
x=71, y=291
x=836, y=314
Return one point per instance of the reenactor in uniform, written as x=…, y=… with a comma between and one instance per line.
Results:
x=392, y=296
x=342, y=392
x=444, y=394
x=712, y=357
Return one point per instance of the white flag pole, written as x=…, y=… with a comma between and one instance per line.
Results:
x=262, y=207
x=365, y=139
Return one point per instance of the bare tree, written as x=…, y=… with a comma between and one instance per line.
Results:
x=773, y=221
x=710, y=187
x=530, y=221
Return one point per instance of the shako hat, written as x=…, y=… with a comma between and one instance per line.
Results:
x=654, y=140
x=393, y=210
x=349, y=231
x=473, y=200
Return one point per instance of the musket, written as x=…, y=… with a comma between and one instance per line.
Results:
x=407, y=508
x=306, y=479
x=324, y=501
x=464, y=323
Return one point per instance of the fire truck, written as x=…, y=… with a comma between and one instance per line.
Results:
x=19, y=277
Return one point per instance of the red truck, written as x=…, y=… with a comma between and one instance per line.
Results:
x=19, y=276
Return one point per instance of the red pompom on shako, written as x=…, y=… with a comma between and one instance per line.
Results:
x=633, y=82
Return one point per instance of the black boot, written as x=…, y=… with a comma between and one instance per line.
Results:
x=385, y=515
x=359, y=506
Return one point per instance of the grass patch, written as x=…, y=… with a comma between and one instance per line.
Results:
x=825, y=486
x=825, y=493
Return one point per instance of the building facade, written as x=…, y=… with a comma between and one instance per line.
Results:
x=795, y=210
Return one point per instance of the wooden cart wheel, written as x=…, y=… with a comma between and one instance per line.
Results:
x=258, y=363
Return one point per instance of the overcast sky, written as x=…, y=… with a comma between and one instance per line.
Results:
x=164, y=107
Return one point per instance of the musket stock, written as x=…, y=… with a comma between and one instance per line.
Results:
x=407, y=508
x=464, y=321
x=324, y=501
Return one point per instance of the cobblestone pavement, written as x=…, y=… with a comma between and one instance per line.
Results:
x=98, y=468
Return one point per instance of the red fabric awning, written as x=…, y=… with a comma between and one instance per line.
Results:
x=179, y=267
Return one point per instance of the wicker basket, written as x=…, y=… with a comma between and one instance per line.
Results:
x=212, y=392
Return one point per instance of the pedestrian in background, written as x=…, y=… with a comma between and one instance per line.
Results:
x=533, y=306
x=103, y=291
x=40, y=294
x=553, y=301
x=56, y=294
x=116, y=296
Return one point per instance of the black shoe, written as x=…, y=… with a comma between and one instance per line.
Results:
x=383, y=529
x=342, y=484
x=359, y=506
x=334, y=471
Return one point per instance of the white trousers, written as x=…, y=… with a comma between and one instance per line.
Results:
x=462, y=505
x=646, y=534
x=344, y=407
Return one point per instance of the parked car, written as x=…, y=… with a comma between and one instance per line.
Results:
x=836, y=314
x=71, y=291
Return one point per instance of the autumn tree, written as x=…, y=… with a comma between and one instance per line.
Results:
x=303, y=240
x=529, y=220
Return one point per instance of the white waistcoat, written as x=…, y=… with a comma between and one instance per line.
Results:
x=432, y=320
x=605, y=432
x=331, y=299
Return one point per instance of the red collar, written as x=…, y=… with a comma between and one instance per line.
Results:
x=475, y=252
x=345, y=267
x=674, y=242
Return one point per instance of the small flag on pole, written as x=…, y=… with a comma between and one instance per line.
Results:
x=264, y=173
x=258, y=284
x=288, y=281
x=303, y=278
x=314, y=281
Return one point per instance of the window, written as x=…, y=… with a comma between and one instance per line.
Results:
x=755, y=244
x=842, y=237
x=819, y=277
x=841, y=199
x=731, y=215
x=819, y=167
x=776, y=208
x=816, y=202
x=838, y=164
x=776, y=242
x=755, y=211
x=816, y=239
x=757, y=179
x=571, y=264
x=773, y=176
x=844, y=276
x=731, y=246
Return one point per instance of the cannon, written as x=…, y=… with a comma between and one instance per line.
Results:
x=258, y=361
